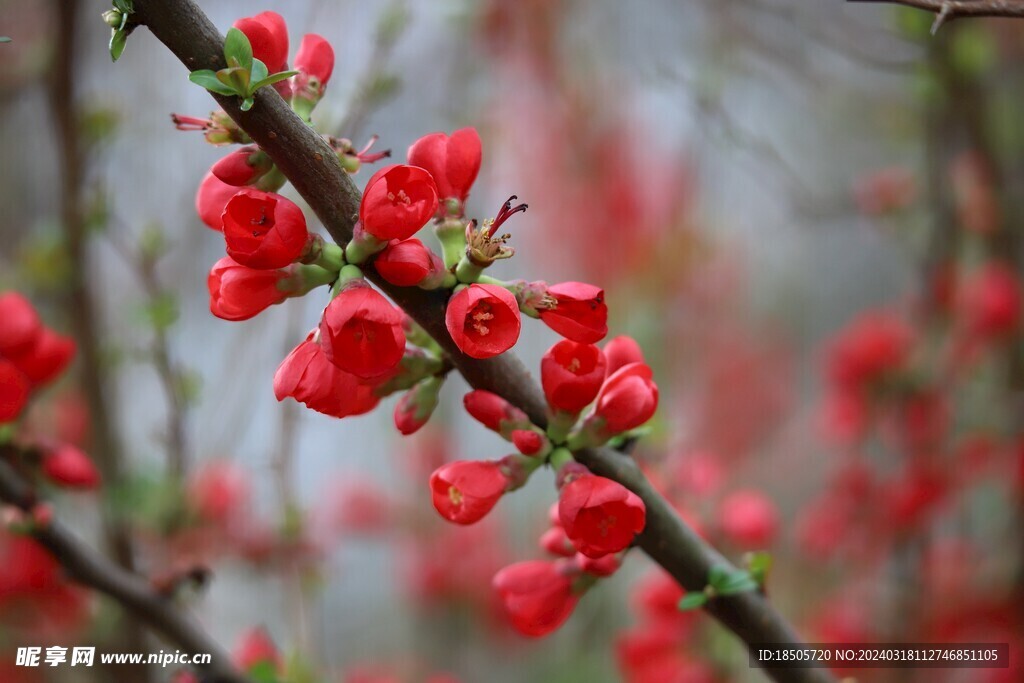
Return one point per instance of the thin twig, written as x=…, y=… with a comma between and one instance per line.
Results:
x=948, y=10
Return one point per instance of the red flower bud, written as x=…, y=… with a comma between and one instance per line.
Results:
x=415, y=407
x=361, y=331
x=67, y=466
x=622, y=351
x=20, y=326
x=264, y=230
x=315, y=63
x=579, y=312
x=239, y=293
x=47, y=358
x=466, y=490
x=211, y=198
x=14, y=391
x=600, y=566
x=571, y=375
x=527, y=441
x=748, y=518
x=869, y=347
x=991, y=301
x=307, y=376
x=398, y=201
x=218, y=491
x=406, y=263
x=600, y=516
x=242, y=167
x=483, y=320
x=537, y=595
x=268, y=35
x=627, y=399
x=255, y=646
x=556, y=542
x=494, y=412
x=453, y=161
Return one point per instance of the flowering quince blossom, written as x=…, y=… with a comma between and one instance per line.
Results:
x=315, y=64
x=627, y=399
x=14, y=391
x=307, y=376
x=465, y=491
x=255, y=647
x=578, y=312
x=620, y=351
x=571, y=375
x=362, y=332
x=537, y=595
x=397, y=202
x=483, y=320
x=242, y=167
x=991, y=301
x=46, y=358
x=264, y=230
x=600, y=516
x=211, y=198
x=407, y=263
x=268, y=35
x=67, y=466
x=454, y=161
x=19, y=324
x=218, y=491
x=748, y=518
x=238, y=292
x=494, y=412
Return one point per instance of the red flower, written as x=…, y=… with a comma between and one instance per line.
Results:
x=483, y=320
x=627, y=399
x=872, y=345
x=14, y=391
x=537, y=595
x=407, y=263
x=527, y=441
x=453, y=161
x=620, y=351
x=19, y=324
x=211, y=198
x=362, y=332
x=556, y=542
x=748, y=518
x=600, y=516
x=307, y=376
x=398, y=201
x=315, y=63
x=239, y=293
x=494, y=412
x=268, y=35
x=600, y=566
x=242, y=167
x=47, y=358
x=466, y=490
x=579, y=312
x=571, y=375
x=255, y=647
x=991, y=301
x=264, y=230
x=67, y=466
x=218, y=491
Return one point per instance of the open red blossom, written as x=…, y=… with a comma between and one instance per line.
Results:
x=255, y=647
x=211, y=198
x=406, y=263
x=483, y=320
x=600, y=516
x=748, y=518
x=264, y=230
x=991, y=301
x=466, y=490
x=268, y=35
x=398, y=201
x=19, y=324
x=47, y=358
x=627, y=399
x=242, y=167
x=537, y=595
x=315, y=63
x=362, y=332
x=494, y=412
x=579, y=312
x=622, y=350
x=307, y=376
x=14, y=391
x=571, y=375
x=67, y=466
x=453, y=161
x=239, y=293
x=869, y=347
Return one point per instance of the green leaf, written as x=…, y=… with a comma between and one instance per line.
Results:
x=759, y=564
x=237, y=50
x=717, y=576
x=118, y=39
x=208, y=79
x=247, y=103
x=738, y=583
x=4, y=39
x=263, y=672
x=125, y=6
x=692, y=601
x=236, y=78
x=273, y=78
x=256, y=74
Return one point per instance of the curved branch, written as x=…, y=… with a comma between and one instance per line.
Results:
x=84, y=565
x=314, y=170
x=948, y=10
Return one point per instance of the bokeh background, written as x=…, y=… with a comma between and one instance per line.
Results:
x=806, y=212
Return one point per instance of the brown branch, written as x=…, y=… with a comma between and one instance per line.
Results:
x=948, y=10
x=132, y=592
x=316, y=174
